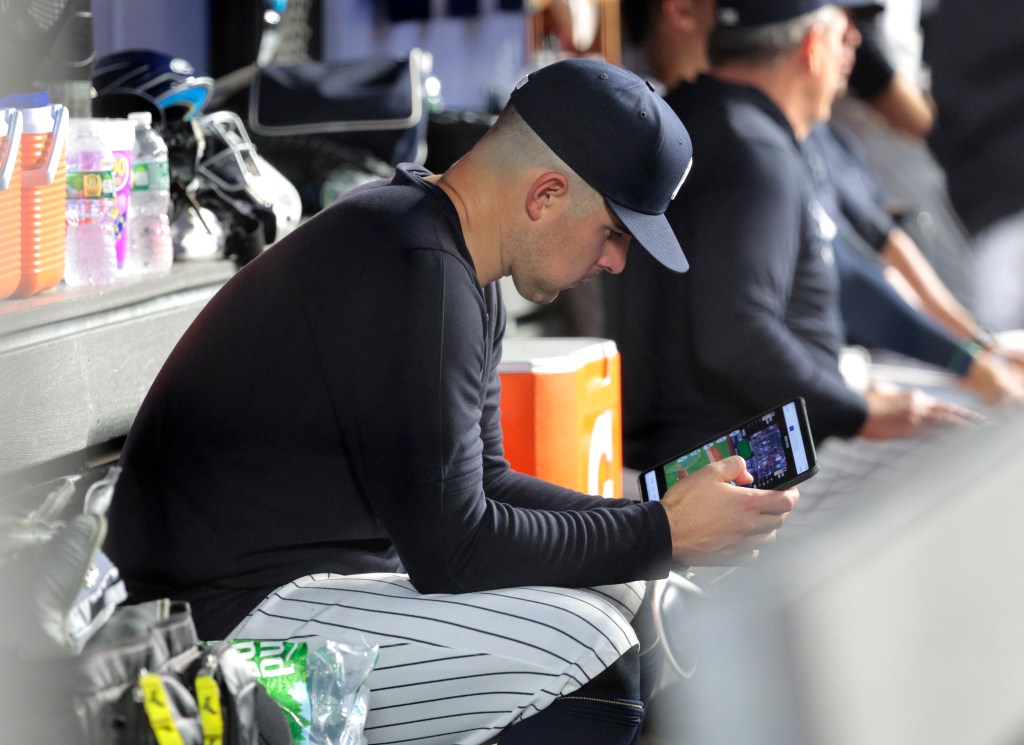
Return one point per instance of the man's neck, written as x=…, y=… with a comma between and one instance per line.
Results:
x=484, y=245
x=673, y=60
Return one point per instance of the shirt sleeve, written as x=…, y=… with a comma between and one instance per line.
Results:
x=459, y=518
x=740, y=293
x=878, y=317
x=870, y=221
x=500, y=481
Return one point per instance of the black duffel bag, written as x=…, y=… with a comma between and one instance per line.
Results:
x=376, y=104
x=330, y=126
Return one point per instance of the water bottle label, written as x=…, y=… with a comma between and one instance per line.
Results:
x=151, y=176
x=91, y=185
x=122, y=171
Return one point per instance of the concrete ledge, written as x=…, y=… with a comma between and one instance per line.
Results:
x=75, y=363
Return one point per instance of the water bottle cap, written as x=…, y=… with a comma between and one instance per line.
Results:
x=143, y=117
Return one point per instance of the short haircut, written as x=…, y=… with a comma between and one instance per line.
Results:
x=764, y=44
x=513, y=145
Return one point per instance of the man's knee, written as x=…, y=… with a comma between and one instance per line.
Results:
x=607, y=709
x=620, y=680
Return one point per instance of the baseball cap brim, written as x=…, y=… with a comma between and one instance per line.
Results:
x=878, y=5
x=862, y=10
x=654, y=234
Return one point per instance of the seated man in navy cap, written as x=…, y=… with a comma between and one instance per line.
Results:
x=756, y=319
x=322, y=452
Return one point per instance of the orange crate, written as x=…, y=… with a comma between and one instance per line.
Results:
x=10, y=201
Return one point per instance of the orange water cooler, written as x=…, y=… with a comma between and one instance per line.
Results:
x=10, y=201
x=43, y=197
x=561, y=411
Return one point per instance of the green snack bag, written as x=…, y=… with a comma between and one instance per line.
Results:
x=281, y=668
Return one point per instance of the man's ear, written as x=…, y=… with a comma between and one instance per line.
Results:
x=812, y=49
x=680, y=15
x=548, y=191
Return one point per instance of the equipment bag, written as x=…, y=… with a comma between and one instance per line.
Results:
x=374, y=104
x=79, y=667
x=57, y=586
x=145, y=678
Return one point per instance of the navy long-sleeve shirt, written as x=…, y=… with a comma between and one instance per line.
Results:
x=874, y=314
x=335, y=408
x=755, y=321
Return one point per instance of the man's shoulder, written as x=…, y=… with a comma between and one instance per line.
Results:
x=736, y=142
x=403, y=212
x=728, y=116
x=380, y=200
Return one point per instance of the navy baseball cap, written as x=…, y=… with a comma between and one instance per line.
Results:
x=735, y=13
x=617, y=133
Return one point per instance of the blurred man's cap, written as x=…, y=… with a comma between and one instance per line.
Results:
x=736, y=13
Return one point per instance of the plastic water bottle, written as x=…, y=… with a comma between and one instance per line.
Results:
x=150, y=248
x=91, y=252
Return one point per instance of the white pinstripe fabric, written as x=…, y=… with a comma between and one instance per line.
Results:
x=456, y=668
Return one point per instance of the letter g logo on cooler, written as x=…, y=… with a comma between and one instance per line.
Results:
x=601, y=454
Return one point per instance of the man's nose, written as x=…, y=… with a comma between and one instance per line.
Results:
x=613, y=260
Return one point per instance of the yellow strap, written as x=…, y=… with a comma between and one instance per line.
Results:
x=154, y=701
x=208, y=698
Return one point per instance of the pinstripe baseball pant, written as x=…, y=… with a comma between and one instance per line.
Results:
x=456, y=668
